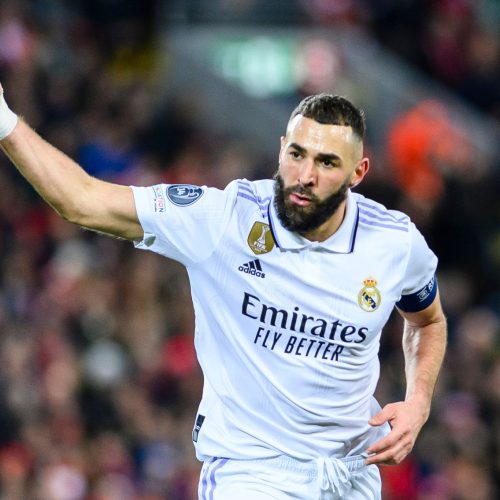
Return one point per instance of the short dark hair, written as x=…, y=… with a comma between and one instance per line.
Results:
x=332, y=109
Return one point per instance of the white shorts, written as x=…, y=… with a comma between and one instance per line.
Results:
x=284, y=478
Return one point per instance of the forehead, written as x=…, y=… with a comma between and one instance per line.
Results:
x=319, y=137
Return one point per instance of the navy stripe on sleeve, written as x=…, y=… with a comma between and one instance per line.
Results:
x=418, y=301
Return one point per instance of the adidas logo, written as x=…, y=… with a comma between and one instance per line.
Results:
x=253, y=267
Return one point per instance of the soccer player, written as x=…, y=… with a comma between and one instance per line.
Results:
x=292, y=282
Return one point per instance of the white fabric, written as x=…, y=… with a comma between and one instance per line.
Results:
x=419, y=265
x=333, y=475
x=8, y=119
x=289, y=356
x=284, y=478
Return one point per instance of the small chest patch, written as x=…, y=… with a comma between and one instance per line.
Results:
x=260, y=239
x=369, y=296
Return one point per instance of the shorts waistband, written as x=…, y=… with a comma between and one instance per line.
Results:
x=354, y=463
x=311, y=468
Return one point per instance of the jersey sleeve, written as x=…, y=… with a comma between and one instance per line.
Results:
x=419, y=283
x=181, y=221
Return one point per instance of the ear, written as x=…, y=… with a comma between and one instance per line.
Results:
x=359, y=172
x=282, y=145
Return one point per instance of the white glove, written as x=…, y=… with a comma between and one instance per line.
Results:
x=8, y=119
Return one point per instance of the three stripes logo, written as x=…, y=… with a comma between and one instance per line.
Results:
x=253, y=267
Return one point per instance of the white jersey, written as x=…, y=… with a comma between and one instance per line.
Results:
x=287, y=330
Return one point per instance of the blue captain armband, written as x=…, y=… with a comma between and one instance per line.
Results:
x=418, y=301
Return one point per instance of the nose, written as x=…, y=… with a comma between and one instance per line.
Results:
x=307, y=173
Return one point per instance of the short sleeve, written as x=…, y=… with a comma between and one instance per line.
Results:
x=419, y=284
x=181, y=221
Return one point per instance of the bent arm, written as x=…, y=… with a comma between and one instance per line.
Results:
x=424, y=345
x=75, y=195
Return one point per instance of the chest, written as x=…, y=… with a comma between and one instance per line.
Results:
x=310, y=288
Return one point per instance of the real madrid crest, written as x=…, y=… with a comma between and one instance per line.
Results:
x=260, y=239
x=369, y=296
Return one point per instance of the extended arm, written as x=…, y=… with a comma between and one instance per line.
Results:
x=424, y=344
x=74, y=194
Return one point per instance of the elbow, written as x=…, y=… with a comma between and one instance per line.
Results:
x=69, y=216
x=74, y=207
x=69, y=212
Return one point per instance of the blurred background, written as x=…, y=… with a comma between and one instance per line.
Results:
x=98, y=378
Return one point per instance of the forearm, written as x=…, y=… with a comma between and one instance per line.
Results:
x=57, y=178
x=75, y=195
x=424, y=348
x=424, y=344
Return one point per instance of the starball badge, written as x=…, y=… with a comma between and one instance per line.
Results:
x=260, y=239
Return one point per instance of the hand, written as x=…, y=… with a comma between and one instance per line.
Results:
x=406, y=418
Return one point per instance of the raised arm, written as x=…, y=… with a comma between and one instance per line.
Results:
x=63, y=184
x=424, y=345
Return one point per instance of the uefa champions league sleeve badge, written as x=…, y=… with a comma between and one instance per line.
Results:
x=369, y=296
x=184, y=195
x=260, y=239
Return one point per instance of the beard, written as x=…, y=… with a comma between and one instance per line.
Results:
x=304, y=219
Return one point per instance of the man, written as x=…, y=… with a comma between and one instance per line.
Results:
x=292, y=281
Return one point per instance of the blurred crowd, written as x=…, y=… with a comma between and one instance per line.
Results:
x=98, y=378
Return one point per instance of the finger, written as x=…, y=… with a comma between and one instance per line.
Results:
x=381, y=445
x=392, y=455
x=385, y=457
x=386, y=414
x=377, y=419
x=386, y=442
x=400, y=430
x=382, y=416
x=388, y=458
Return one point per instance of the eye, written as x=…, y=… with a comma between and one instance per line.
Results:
x=295, y=155
x=330, y=163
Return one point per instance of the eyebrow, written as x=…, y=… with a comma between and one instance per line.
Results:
x=320, y=156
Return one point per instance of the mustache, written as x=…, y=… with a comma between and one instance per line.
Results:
x=301, y=190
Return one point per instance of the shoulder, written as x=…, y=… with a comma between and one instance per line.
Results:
x=375, y=216
x=257, y=194
x=394, y=232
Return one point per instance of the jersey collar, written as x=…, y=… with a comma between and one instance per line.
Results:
x=342, y=241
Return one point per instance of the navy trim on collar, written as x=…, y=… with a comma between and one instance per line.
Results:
x=342, y=241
